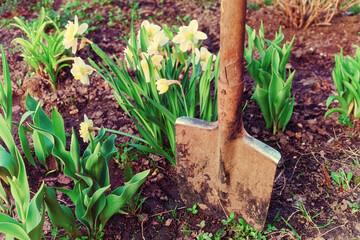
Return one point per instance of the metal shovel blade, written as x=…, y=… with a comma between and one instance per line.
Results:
x=221, y=167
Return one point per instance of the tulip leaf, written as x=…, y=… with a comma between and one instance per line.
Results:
x=36, y=212
x=117, y=199
x=60, y=216
x=11, y=227
x=58, y=125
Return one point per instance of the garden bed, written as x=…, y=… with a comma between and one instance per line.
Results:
x=311, y=146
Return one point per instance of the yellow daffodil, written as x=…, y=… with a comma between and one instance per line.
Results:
x=81, y=71
x=203, y=56
x=162, y=85
x=87, y=129
x=72, y=29
x=158, y=41
x=156, y=62
x=188, y=36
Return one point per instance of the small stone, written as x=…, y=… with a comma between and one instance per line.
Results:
x=300, y=125
x=63, y=179
x=98, y=114
x=168, y=222
x=317, y=86
x=289, y=133
x=357, y=227
x=16, y=108
x=19, y=92
x=311, y=121
x=255, y=130
x=343, y=207
x=164, y=198
x=73, y=112
x=53, y=97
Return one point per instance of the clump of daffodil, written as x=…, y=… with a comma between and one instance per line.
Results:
x=203, y=55
x=188, y=36
x=81, y=71
x=72, y=30
x=162, y=85
x=86, y=129
x=156, y=62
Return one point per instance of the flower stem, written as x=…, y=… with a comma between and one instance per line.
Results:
x=184, y=101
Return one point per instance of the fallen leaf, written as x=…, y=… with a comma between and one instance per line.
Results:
x=326, y=176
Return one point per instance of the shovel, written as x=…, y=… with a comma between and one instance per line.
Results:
x=220, y=167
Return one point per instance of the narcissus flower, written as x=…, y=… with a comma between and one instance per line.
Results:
x=203, y=56
x=72, y=29
x=87, y=129
x=162, y=85
x=188, y=36
x=128, y=54
x=151, y=29
x=156, y=62
x=159, y=40
x=81, y=71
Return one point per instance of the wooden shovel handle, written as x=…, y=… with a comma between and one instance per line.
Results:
x=231, y=85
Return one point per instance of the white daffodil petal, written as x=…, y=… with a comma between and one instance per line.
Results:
x=82, y=28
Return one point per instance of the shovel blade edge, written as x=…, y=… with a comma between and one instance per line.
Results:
x=197, y=163
x=249, y=167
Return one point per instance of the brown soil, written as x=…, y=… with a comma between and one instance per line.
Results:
x=311, y=147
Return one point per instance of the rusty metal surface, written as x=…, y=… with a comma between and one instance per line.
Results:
x=220, y=167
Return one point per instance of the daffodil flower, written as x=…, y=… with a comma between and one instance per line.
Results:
x=128, y=54
x=81, y=71
x=158, y=41
x=87, y=129
x=162, y=85
x=72, y=29
x=203, y=56
x=156, y=62
x=151, y=29
x=188, y=36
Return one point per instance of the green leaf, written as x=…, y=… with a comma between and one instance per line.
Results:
x=58, y=125
x=95, y=164
x=261, y=97
x=336, y=178
x=75, y=151
x=3, y=194
x=6, y=136
x=117, y=199
x=19, y=187
x=6, y=91
x=11, y=227
x=23, y=139
x=59, y=152
x=8, y=165
x=40, y=148
x=36, y=215
x=60, y=216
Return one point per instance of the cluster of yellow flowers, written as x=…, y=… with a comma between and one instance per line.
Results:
x=187, y=38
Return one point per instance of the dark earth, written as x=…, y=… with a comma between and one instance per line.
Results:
x=311, y=147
